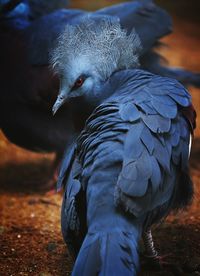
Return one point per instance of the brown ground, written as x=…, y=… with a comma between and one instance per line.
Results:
x=30, y=236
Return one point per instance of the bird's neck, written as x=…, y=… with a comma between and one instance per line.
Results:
x=80, y=110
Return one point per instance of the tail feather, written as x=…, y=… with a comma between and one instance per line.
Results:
x=103, y=254
x=88, y=261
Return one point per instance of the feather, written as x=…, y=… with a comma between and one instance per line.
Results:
x=156, y=175
x=135, y=175
x=162, y=155
x=182, y=100
x=165, y=108
x=157, y=123
x=148, y=108
x=113, y=253
x=66, y=165
x=129, y=112
x=147, y=140
x=133, y=147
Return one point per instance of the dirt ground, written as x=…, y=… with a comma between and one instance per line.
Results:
x=30, y=234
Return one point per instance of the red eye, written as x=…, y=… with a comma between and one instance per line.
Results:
x=79, y=82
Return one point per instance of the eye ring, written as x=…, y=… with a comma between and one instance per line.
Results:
x=79, y=82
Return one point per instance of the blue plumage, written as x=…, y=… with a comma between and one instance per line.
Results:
x=129, y=112
x=97, y=256
x=131, y=166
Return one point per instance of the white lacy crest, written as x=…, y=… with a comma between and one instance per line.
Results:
x=103, y=44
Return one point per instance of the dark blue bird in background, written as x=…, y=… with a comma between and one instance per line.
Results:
x=128, y=168
x=28, y=88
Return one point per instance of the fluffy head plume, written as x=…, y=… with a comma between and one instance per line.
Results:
x=101, y=44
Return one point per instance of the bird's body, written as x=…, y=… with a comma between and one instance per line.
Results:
x=28, y=86
x=129, y=166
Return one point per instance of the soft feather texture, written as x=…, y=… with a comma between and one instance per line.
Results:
x=106, y=45
x=133, y=168
x=108, y=254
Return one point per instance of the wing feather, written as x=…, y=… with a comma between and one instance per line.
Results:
x=156, y=145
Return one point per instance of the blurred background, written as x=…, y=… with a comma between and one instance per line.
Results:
x=30, y=237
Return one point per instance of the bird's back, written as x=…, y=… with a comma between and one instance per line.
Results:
x=138, y=139
x=128, y=169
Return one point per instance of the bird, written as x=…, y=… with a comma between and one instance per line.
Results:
x=128, y=168
x=27, y=90
x=28, y=33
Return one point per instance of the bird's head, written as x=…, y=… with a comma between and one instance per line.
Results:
x=87, y=54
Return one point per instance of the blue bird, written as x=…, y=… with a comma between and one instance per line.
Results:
x=28, y=33
x=128, y=167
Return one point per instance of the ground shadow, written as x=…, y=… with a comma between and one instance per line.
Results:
x=31, y=177
x=178, y=243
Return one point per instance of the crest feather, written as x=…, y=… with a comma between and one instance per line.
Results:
x=103, y=43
